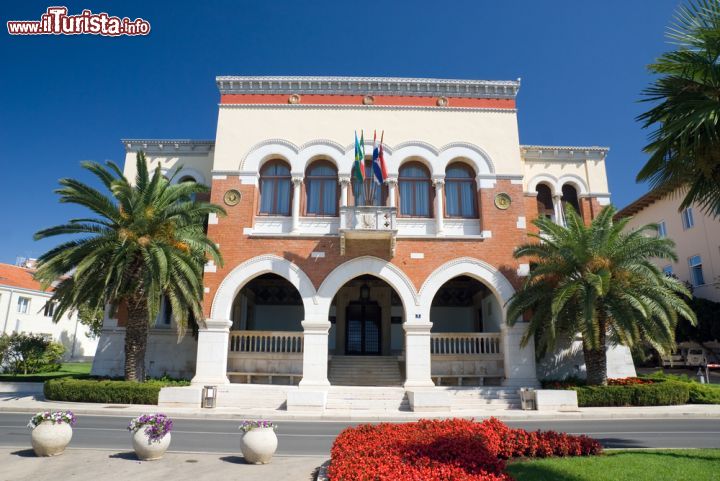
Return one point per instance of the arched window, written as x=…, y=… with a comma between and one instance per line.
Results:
x=460, y=191
x=321, y=182
x=570, y=197
x=275, y=188
x=545, y=201
x=415, y=190
x=369, y=188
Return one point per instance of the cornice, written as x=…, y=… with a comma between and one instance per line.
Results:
x=169, y=146
x=414, y=87
x=364, y=107
x=562, y=152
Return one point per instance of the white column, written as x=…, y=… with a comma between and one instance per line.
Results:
x=439, y=213
x=344, y=183
x=315, y=353
x=392, y=185
x=212, y=352
x=519, y=362
x=557, y=206
x=417, y=354
x=297, y=183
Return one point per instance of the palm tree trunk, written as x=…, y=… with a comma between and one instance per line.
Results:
x=136, y=333
x=596, y=359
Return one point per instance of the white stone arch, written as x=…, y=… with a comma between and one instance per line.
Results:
x=268, y=150
x=479, y=270
x=471, y=154
x=410, y=151
x=184, y=172
x=574, y=180
x=377, y=267
x=550, y=180
x=257, y=266
x=323, y=149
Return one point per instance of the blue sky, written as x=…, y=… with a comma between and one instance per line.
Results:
x=64, y=99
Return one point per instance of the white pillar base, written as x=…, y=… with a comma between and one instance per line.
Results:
x=315, y=354
x=519, y=362
x=417, y=355
x=212, y=353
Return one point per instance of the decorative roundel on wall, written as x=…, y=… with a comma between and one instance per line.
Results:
x=502, y=201
x=442, y=102
x=368, y=100
x=294, y=99
x=232, y=197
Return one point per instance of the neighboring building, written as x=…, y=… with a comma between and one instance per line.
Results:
x=26, y=307
x=325, y=284
x=695, y=233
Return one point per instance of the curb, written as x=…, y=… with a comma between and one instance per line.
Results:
x=125, y=410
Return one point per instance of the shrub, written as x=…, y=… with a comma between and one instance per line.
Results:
x=699, y=393
x=105, y=391
x=454, y=449
x=704, y=393
x=30, y=353
x=655, y=394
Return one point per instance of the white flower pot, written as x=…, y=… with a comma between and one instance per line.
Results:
x=50, y=439
x=147, y=450
x=258, y=445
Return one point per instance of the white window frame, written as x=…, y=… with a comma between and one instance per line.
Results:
x=694, y=265
x=49, y=309
x=662, y=229
x=688, y=220
x=23, y=305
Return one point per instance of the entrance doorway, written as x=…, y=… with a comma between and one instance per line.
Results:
x=363, y=334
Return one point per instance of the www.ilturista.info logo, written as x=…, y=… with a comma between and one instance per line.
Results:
x=56, y=21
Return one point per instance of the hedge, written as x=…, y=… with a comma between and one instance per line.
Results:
x=105, y=391
x=699, y=393
x=657, y=394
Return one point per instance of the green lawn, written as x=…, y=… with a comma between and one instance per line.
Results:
x=629, y=465
x=77, y=370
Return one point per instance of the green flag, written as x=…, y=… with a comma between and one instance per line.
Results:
x=357, y=170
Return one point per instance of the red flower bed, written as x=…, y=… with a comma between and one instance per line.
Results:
x=628, y=381
x=454, y=449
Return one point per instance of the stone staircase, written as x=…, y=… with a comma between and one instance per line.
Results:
x=482, y=398
x=347, y=399
x=364, y=371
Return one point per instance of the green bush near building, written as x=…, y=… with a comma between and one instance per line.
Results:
x=107, y=391
x=699, y=393
x=661, y=393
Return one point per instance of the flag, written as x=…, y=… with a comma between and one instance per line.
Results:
x=357, y=168
x=379, y=160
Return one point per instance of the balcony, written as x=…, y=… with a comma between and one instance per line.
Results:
x=358, y=223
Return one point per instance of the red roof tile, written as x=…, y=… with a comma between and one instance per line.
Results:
x=21, y=277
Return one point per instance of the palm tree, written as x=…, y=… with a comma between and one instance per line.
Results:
x=685, y=144
x=598, y=281
x=145, y=243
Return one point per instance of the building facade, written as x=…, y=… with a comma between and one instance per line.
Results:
x=695, y=233
x=331, y=281
x=26, y=307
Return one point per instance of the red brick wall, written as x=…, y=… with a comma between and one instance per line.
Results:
x=497, y=250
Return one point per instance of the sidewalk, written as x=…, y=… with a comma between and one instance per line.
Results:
x=23, y=402
x=83, y=465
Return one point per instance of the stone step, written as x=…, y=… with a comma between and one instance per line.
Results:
x=364, y=371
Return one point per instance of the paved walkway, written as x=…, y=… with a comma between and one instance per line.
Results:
x=20, y=402
x=83, y=464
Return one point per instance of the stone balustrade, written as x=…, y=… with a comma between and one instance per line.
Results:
x=465, y=343
x=280, y=342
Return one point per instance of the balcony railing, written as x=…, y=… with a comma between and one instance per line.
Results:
x=284, y=342
x=368, y=222
x=465, y=343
